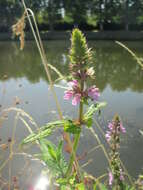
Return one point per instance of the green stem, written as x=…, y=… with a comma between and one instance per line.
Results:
x=76, y=136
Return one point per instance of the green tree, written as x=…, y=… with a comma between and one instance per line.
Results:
x=9, y=11
x=105, y=11
x=52, y=12
x=76, y=11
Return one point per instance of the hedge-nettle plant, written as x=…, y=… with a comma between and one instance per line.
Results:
x=115, y=128
x=80, y=57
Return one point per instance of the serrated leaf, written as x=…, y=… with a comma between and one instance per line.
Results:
x=70, y=127
x=43, y=132
x=54, y=124
x=52, y=152
x=38, y=136
x=91, y=110
x=59, y=150
x=89, y=122
x=62, y=181
x=80, y=186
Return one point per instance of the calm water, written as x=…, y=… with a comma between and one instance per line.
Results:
x=118, y=76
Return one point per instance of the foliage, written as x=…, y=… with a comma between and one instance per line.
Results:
x=87, y=118
x=67, y=174
x=89, y=14
x=44, y=131
x=53, y=157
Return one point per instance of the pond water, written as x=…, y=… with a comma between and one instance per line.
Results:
x=23, y=84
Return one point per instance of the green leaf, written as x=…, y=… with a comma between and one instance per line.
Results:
x=80, y=186
x=33, y=137
x=89, y=122
x=91, y=110
x=53, y=158
x=43, y=132
x=54, y=124
x=59, y=150
x=70, y=127
x=64, y=187
x=62, y=181
x=94, y=187
x=52, y=152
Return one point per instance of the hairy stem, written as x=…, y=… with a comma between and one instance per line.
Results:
x=77, y=136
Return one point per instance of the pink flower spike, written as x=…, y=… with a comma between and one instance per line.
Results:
x=110, y=178
x=76, y=99
x=68, y=94
x=93, y=93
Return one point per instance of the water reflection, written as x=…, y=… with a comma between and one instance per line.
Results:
x=42, y=183
x=118, y=77
x=114, y=66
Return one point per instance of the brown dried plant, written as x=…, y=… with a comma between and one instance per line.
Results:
x=18, y=30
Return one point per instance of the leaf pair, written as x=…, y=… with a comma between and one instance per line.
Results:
x=53, y=157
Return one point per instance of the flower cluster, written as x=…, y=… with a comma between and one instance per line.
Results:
x=75, y=92
x=113, y=137
x=111, y=177
x=114, y=129
x=80, y=57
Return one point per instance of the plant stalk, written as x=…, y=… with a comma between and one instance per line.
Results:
x=77, y=136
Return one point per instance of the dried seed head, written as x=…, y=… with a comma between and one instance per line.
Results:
x=18, y=30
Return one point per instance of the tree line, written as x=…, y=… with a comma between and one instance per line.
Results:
x=86, y=14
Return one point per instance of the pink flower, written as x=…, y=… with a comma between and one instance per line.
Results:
x=68, y=94
x=108, y=136
x=121, y=175
x=73, y=84
x=76, y=99
x=72, y=92
x=110, y=126
x=111, y=178
x=93, y=93
x=123, y=130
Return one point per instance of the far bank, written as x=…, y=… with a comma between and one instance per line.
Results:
x=62, y=35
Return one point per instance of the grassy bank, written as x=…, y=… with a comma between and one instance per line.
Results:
x=105, y=35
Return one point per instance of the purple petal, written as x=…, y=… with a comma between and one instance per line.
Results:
x=123, y=130
x=73, y=84
x=121, y=175
x=110, y=126
x=93, y=93
x=110, y=178
x=108, y=136
x=76, y=99
x=68, y=94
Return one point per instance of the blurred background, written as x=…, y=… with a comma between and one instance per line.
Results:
x=88, y=15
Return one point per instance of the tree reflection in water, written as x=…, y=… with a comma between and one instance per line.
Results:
x=114, y=66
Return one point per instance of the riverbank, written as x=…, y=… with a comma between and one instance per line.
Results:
x=104, y=35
